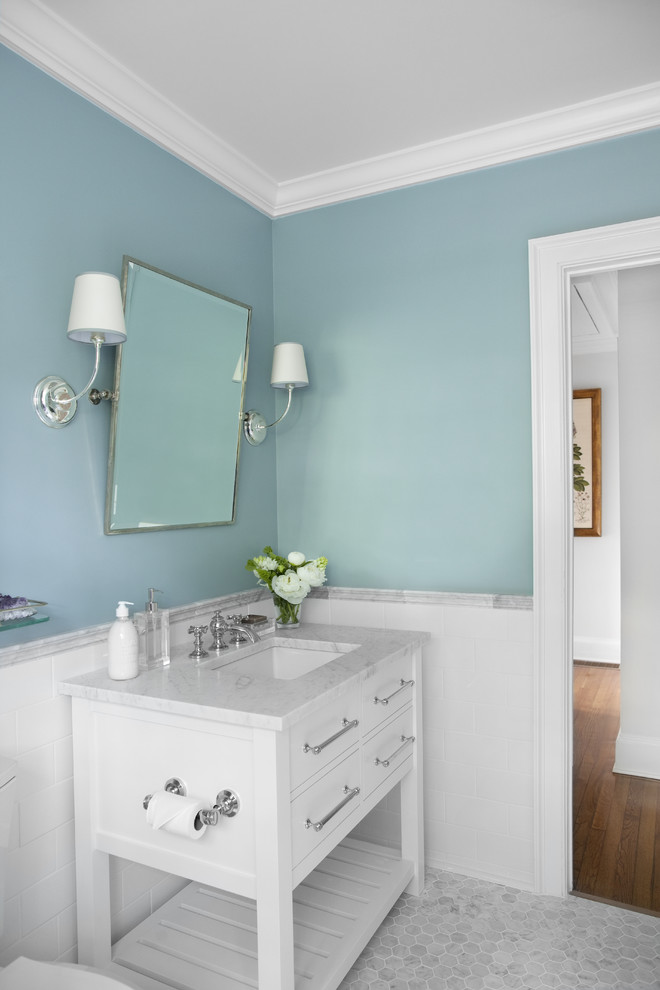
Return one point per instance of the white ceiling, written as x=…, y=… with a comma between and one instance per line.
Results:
x=295, y=103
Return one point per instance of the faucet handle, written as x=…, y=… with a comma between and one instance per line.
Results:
x=197, y=632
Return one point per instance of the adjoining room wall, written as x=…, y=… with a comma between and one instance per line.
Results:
x=597, y=560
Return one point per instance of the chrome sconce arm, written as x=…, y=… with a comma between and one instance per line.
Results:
x=53, y=398
x=289, y=371
x=97, y=318
x=255, y=426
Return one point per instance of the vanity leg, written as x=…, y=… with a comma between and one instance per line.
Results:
x=93, y=905
x=412, y=831
x=412, y=795
x=273, y=860
x=92, y=866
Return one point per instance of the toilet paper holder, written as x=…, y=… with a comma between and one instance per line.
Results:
x=226, y=804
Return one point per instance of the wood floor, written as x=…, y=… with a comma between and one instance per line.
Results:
x=616, y=818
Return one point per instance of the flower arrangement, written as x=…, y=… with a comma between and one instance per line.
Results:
x=289, y=579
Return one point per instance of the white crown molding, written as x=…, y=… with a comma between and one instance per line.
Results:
x=595, y=120
x=47, y=41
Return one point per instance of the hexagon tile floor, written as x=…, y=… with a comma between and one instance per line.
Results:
x=465, y=934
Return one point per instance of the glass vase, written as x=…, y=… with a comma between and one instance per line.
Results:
x=287, y=615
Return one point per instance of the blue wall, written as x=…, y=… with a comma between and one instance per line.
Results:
x=410, y=463
x=80, y=190
x=408, y=460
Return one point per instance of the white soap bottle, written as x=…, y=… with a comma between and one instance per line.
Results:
x=123, y=646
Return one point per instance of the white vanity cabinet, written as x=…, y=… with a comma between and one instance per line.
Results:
x=281, y=896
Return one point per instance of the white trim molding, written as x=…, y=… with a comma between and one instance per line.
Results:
x=637, y=756
x=49, y=42
x=553, y=262
x=184, y=614
x=180, y=615
x=594, y=650
x=439, y=598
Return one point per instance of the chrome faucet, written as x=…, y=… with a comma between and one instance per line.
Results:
x=219, y=626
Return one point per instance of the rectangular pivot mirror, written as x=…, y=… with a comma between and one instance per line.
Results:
x=176, y=421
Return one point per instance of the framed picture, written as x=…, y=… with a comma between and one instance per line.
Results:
x=586, y=462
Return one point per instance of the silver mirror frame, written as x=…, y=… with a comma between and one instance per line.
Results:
x=115, y=398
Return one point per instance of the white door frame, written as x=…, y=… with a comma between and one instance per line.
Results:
x=553, y=261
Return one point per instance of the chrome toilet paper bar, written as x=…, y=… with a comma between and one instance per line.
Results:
x=226, y=804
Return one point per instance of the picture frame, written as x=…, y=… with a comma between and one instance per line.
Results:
x=587, y=465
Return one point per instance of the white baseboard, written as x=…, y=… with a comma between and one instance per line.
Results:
x=597, y=650
x=637, y=756
x=521, y=880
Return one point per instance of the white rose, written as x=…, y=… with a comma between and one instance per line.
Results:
x=312, y=574
x=290, y=587
x=296, y=558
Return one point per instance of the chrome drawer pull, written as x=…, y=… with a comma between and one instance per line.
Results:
x=386, y=701
x=346, y=725
x=350, y=793
x=404, y=742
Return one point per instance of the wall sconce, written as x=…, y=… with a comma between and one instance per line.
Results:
x=97, y=317
x=289, y=371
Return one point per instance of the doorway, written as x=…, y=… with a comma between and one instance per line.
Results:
x=616, y=816
x=553, y=262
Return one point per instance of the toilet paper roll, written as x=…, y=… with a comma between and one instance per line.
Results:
x=176, y=814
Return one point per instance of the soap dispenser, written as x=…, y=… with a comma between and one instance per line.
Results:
x=154, y=634
x=122, y=646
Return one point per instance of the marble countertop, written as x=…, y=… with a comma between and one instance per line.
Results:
x=201, y=689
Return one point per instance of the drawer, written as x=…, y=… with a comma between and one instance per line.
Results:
x=390, y=689
x=136, y=756
x=323, y=736
x=321, y=808
x=387, y=750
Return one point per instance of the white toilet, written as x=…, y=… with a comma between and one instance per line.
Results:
x=27, y=974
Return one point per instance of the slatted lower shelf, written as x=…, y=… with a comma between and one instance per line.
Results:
x=206, y=939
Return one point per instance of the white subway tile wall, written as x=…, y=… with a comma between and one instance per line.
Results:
x=477, y=703
x=35, y=729
x=478, y=747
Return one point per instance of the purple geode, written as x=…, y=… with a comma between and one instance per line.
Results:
x=6, y=601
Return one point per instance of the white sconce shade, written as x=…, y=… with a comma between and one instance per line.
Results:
x=238, y=370
x=96, y=317
x=96, y=307
x=289, y=371
x=289, y=366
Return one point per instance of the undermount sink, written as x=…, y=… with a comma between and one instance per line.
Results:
x=283, y=661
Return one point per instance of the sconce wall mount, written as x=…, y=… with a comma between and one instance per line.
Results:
x=289, y=371
x=97, y=317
